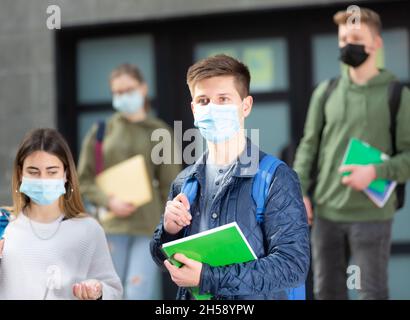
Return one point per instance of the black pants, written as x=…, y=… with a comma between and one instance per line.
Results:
x=368, y=244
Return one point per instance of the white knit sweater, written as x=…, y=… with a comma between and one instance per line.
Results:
x=78, y=251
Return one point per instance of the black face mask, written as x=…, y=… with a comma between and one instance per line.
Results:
x=353, y=54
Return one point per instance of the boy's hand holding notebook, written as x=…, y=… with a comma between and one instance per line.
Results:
x=360, y=153
x=217, y=247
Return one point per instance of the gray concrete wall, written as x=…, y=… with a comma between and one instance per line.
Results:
x=27, y=93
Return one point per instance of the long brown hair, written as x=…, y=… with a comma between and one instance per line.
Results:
x=133, y=72
x=50, y=141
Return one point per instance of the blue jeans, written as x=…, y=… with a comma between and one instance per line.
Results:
x=140, y=276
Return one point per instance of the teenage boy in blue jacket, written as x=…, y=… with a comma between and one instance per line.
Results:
x=219, y=87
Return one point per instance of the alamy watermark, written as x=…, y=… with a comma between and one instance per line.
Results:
x=168, y=147
x=53, y=17
x=53, y=280
x=353, y=21
x=354, y=277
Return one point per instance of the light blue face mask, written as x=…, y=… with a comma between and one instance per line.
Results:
x=217, y=123
x=129, y=102
x=43, y=191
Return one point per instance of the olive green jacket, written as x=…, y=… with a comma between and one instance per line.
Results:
x=122, y=140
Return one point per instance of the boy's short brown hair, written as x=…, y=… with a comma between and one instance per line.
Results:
x=367, y=16
x=220, y=65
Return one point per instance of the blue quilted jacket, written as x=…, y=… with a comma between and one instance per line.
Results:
x=281, y=243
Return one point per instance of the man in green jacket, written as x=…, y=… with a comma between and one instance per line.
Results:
x=344, y=216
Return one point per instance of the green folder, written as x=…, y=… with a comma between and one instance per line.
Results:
x=221, y=246
x=361, y=153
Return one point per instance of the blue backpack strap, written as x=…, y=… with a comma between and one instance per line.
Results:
x=260, y=191
x=4, y=221
x=298, y=293
x=190, y=189
x=262, y=182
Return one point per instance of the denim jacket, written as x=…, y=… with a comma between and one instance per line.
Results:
x=281, y=243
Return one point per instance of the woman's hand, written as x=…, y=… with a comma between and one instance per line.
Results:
x=120, y=208
x=88, y=290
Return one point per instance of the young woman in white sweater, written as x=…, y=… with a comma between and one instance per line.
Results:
x=51, y=249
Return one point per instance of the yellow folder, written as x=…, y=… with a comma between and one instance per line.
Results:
x=128, y=180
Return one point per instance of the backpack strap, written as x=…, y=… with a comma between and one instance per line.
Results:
x=298, y=293
x=262, y=182
x=98, y=151
x=394, y=92
x=395, y=89
x=190, y=189
x=331, y=86
x=260, y=190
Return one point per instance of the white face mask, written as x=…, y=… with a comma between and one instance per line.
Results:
x=43, y=191
x=129, y=102
x=217, y=123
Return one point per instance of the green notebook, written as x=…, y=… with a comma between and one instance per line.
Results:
x=361, y=153
x=217, y=247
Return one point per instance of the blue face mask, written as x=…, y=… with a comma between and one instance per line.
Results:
x=43, y=191
x=217, y=123
x=129, y=102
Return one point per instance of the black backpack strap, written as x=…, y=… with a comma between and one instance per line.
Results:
x=395, y=89
x=329, y=90
x=331, y=86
